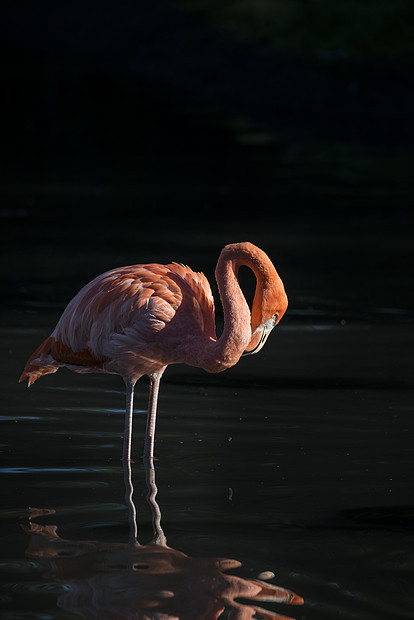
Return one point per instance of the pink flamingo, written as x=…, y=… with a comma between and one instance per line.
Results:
x=137, y=320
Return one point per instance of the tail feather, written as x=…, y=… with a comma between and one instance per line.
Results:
x=41, y=362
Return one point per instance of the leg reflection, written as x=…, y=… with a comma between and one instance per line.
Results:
x=159, y=537
x=108, y=580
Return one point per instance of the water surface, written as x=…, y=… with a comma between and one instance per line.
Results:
x=160, y=133
x=301, y=468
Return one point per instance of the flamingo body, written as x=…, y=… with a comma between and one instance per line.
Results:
x=130, y=321
x=137, y=320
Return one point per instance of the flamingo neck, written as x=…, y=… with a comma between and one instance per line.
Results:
x=227, y=350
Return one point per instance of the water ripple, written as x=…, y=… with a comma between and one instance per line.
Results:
x=34, y=470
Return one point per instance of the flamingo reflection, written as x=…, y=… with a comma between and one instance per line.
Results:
x=131, y=581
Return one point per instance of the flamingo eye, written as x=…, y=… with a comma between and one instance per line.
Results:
x=275, y=317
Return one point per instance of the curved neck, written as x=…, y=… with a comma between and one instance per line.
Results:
x=227, y=350
x=241, y=331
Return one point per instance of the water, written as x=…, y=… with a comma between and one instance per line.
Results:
x=294, y=467
x=298, y=461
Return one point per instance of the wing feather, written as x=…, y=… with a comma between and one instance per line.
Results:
x=126, y=308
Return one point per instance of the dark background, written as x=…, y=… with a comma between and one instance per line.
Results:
x=157, y=132
x=138, y=132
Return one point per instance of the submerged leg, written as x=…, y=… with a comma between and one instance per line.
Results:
x=152, y=414
x=126, y=454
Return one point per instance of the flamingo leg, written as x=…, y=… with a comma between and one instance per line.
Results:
x=130, y=385
x=152, y=414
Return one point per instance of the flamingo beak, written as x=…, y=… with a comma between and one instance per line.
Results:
x=265, y=330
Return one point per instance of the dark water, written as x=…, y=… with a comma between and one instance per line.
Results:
x=297, y=461
x=295, y=465
x=161, y=132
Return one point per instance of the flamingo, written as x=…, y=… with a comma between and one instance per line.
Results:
x=136, y=320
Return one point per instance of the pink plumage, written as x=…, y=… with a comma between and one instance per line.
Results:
x=137, y=320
